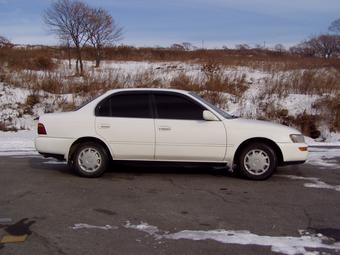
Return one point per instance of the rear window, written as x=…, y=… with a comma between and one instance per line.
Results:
x=125, y=106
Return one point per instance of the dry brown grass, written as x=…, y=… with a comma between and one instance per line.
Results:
x=255, y=58
x=214, y=84
x=33, y=58
x=308, y=82
x=29, y=59
x=183, y=81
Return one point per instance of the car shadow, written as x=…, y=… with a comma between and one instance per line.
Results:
x=159, y=168
x=136, y=169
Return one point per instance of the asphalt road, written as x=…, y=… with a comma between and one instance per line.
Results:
x=45, y=200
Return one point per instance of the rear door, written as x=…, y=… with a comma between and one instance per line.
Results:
x=181, y=132
x=125, y=121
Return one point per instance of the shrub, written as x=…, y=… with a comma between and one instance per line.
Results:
x=183, y=81
x=42, y=63
x=6, y=128
x=51, y=84
x=32, y=100
x=308, y=124
x=328, y=108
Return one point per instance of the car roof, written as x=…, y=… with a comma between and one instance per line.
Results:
x=147, y=89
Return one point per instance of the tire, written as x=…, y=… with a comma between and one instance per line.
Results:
x=90, y=160
x=257, y=161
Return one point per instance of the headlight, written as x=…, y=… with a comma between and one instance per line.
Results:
x=297, y=138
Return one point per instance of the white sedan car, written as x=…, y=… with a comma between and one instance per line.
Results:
x=163, y=125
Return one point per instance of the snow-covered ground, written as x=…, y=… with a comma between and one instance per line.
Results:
x=17, y=143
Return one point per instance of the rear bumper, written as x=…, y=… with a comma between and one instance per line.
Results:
x=292, y=153
x=48, y=146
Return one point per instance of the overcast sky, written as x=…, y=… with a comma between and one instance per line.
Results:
x=163, y=22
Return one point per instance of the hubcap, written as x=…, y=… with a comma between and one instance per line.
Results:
x=256, y=162
x=89, y=160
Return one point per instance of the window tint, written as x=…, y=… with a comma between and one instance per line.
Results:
x=126, y=105
x=177, y=107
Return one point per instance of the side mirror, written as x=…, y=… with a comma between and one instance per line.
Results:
x=209, y=116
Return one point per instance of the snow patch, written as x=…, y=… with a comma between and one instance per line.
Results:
x=17, y=143
x=314, y=182
x=330, y=140
x=297, y=103
x=145, y=227
x=87, y=226
x=282, y=244
x=325, y=158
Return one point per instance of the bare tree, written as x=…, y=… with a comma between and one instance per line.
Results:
x=243, y=46
x=5, y=43
x=325, y=45
x=335, y=27
x=66, y=42
x=304, y=49
x=68, y=18
x=177, y=46
x=188, y=46
x=102, y=30
x=279, y=48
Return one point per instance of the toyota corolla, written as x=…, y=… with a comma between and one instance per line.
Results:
x=164, y=125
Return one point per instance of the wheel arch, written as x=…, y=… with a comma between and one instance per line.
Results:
x=81, y=140
x=264, y=140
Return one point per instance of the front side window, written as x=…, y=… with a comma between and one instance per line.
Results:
x=177, y=107
x=125, y=106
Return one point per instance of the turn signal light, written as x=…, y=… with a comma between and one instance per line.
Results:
x=41, y=129
x=303, y=148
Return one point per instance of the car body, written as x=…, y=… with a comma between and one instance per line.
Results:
x=165, y=125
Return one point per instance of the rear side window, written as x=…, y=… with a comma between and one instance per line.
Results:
x=125, y=106
x=103, y=108
x=177, y=107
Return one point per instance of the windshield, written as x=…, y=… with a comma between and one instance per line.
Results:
x=215, y=108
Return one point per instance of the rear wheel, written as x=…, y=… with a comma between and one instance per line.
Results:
x=90, y=160
x=257, y=161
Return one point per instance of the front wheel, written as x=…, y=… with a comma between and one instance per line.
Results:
x=257, y=161
x=90, y=160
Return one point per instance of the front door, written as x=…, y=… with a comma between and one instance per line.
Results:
x=181, y=132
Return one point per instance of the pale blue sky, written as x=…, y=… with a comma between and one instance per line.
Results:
x=161, y=22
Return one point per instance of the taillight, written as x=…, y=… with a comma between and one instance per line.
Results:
x=41, y=129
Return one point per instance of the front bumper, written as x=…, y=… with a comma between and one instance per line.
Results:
x=292, y=153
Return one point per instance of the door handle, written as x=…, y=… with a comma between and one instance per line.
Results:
x=105, y=126
x=164, y=128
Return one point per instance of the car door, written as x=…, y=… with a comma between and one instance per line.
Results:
x=125, y=121
x=181, y=132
